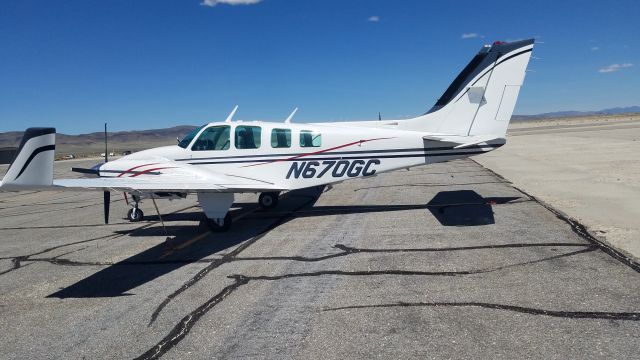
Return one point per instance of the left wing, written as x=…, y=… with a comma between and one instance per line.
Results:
x=169, y=176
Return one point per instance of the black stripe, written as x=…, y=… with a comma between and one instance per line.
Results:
x=97, y=172
x=33, y=155
x=500, y=62
x=424, y=154
x=29, y=134
x=130, y=172
x=340, y=153
x=299, y=154
x=488, y=70
x=85, y=171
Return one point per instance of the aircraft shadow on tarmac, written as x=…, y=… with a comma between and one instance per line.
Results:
x=464, y=208
x=450, y=208
x=181, y=249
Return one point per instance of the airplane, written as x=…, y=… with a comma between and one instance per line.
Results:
x=220, y=159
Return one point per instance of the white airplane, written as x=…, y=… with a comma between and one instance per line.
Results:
x=220, y=159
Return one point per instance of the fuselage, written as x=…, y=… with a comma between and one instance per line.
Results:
x=293, y=156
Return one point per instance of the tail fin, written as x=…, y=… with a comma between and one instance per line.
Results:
x=481, y=99
x=33, y=165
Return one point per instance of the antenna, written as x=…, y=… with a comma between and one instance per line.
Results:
x=233, y=112
x=106, y=152
x=106, y=195
x=288, y=120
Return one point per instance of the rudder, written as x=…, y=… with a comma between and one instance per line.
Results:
x=32, y=166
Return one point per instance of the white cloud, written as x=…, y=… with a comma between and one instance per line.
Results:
x=470, y=36
x=212, y=3
x=374, y=18
x=615, y=67
x=595, y=48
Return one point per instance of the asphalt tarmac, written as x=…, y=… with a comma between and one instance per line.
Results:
x=442, y=261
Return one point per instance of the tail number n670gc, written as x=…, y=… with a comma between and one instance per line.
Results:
x=337, y=169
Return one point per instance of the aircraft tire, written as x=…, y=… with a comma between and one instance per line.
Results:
x=268, y=200
x=135, y=215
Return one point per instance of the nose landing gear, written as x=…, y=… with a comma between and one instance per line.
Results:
x=135, y=214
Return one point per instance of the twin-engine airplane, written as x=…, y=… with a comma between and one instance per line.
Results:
x=220, y=159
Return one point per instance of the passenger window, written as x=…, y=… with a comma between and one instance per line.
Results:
x=280, y=138
x=213, y=138
x=248, y=137
x=310, y=138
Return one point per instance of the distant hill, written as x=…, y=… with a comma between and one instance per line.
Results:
x=560, y=114
x=93, y=143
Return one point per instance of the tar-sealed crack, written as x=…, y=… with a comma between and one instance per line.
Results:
x=17, y=261
x=630, y=316
x=576, y=226
x=185, y=325
x=225, y=259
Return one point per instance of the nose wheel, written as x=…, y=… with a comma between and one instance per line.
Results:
x=135, y=214
x=268, y=200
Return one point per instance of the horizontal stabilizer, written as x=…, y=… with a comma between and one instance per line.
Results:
x=475, y=140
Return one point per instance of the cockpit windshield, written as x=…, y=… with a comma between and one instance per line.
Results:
x=187, y=139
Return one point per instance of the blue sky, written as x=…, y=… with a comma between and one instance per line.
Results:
x=75, y=64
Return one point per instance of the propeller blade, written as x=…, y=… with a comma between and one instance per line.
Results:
x=107, y=200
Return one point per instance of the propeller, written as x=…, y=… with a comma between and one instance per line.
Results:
x=107, y=201
x=106, y=194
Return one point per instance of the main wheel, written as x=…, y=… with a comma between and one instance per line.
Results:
x=135, y=215
x=220, y=225
x=268, y=200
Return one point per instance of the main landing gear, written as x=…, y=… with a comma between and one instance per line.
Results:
x=268, y=200
x=216, y=210
x=135, y=214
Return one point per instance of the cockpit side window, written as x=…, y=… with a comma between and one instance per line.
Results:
x=310, y=138
x=187, y=139
x=248, y=137
x=213, y=138
x=280, y=138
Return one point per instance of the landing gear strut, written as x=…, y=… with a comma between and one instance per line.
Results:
x=268, y=200
x=135, y=214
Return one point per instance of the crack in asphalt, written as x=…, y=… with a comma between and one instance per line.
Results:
x=57, y=210
x=628, y=316
x=416, y=273
x=18, y=260
x=184, y=326
x=346, y=250
x=215, y=263
x=181, y=330
x=55, y=201
x=577, y=227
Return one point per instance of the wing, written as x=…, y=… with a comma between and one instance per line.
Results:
x=169, y=176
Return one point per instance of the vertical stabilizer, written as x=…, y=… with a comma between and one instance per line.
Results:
x=481, y=99
x=33, y=165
